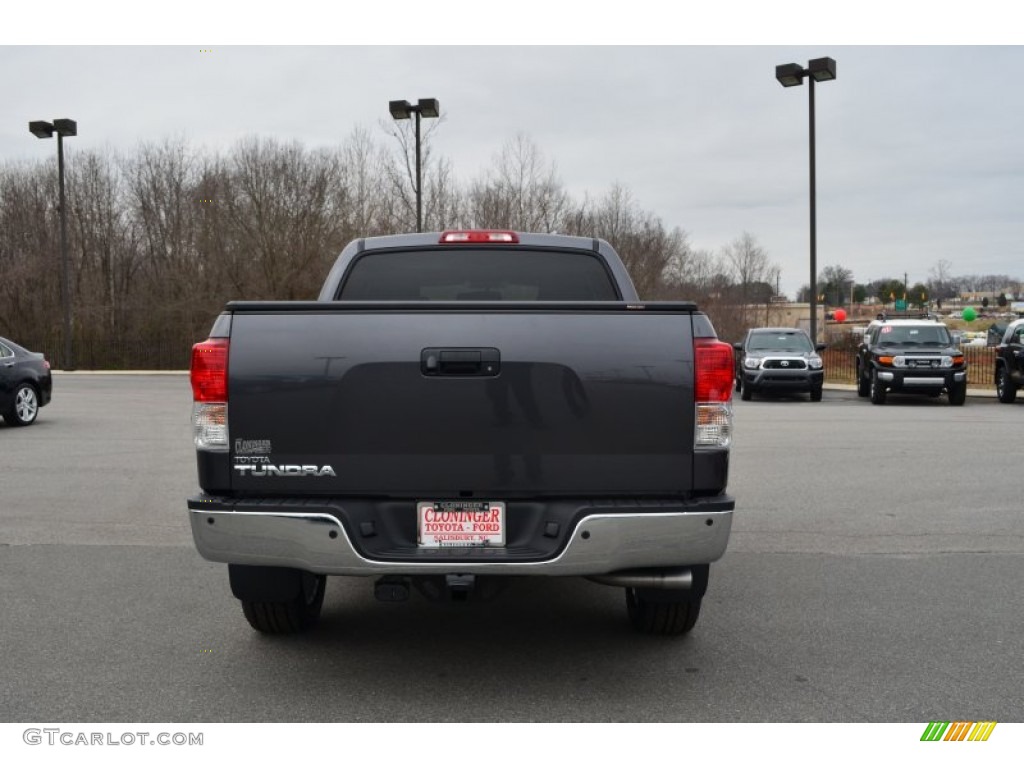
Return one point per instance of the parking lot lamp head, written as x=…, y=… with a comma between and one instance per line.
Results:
x=41, y=129
x=400, y=110
x=822, y=69
x=789, y=74
x=429, y=107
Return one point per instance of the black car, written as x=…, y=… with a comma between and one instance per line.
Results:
x=779, y=361
x=910, y=356
x=25, y=383
x=1010, y=362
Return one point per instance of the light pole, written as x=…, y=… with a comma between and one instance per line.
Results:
x=402, y=110
x=41, y=129
x=794, y=74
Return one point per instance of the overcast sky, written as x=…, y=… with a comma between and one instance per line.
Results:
x=920, y=150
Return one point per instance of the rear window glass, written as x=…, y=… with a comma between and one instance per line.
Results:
x=478, y=274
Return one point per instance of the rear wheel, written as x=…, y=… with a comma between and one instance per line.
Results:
x=661, y=617
x=288, y=616
x=877, y=390
x=668, y=611
x=25, y=407
x=1005, y=390
x=958, y=394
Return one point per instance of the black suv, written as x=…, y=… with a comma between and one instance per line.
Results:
x=778, y=360
x=1010, y=362
x=910, y=356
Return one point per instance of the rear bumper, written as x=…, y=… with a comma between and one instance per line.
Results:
x=604, y=537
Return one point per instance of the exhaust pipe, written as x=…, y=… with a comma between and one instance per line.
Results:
x=680, y=579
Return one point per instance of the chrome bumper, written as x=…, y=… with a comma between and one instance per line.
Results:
x=599, y=543
x=911, y=380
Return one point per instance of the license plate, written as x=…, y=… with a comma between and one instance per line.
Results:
x=461, y=523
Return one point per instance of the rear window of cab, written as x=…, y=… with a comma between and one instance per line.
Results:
x=468, y=273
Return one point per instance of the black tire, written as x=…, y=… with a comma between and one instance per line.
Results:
x=1005, y=390
x=739, y=384
x=288, y=617
x=863, y=384
x=958, y=394
x=747, y=393
x=25, y=407
x=815, y=394
x=676, y=617
x=877, y=390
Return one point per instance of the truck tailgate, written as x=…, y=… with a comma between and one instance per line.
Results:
x=531, y=401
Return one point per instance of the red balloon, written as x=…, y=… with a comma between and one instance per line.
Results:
x=840, y=315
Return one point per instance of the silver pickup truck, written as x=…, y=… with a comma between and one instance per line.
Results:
x=458, y=409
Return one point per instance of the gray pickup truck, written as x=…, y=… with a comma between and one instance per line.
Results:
x=457, y=409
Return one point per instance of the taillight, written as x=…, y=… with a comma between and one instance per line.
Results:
x=715, y=369
x=209, y=373
x=209, y=376
x=714, y=372
x=479, y=236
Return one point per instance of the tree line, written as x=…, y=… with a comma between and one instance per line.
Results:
x=161, y=237
x=836, y=287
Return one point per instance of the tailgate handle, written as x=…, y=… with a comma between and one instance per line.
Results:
x=460, y=361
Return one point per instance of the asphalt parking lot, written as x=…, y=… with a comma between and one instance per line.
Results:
x=874, y=575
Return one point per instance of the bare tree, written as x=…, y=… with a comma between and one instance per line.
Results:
x=749, y=266
x=941, y=283
x=284, y=205
x=107, y=259
x=521, y=191
x=400, y=172
x=363, y=177
x=29, y=257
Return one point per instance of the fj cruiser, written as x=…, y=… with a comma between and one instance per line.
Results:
x=910, y=356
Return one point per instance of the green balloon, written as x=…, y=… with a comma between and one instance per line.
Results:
x=970, y=314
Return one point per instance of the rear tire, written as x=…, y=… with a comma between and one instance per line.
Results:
x=958, y=394
x=289, y=616
x=25, y=407
x=1005, y=390
x=877, y=390
x=661, y=618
